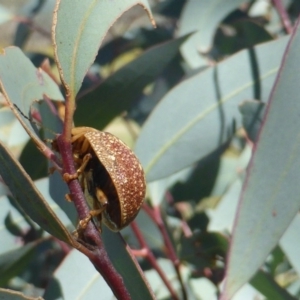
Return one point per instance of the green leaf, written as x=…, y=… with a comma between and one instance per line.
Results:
x=149, y=231
x=270, y=196
x=161, y=291
x=5, y=14
x=29, y=198
x=116, y=93
x=12, y=227
x=203, y=17
x=79, y=28
x=125, y=265
x=54, y=190
x=30, y=153
x=252, y=111
x=265, y=284
x=290, y=243
x=86, y=284
x=14, y=262
x=13, y=295
x=202, y=249
x=22, y=84
x=197, y=116
x=248, y=33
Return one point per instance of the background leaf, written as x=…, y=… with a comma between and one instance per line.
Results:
x=270, y=197
x=77, y=36
x=120, y=256
x=203, y=17
x=88, y=281
x=86, y=284
x=13, y=295
x=119, y=90
x=22, y=84
x=201, y=113
x=13, y=262
x=28, y=197
x=269, y=287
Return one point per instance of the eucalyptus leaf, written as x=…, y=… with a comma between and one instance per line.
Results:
x=290, y=243
x=88, y=282
x=39, y=168
x=29, y=198
x=14, y=262
x=252, y=111
x=156, y=282
x=269, y=287
x=118, y=91
x=5, y=14
x=270, y=195
x=13, y=295
x=149, y=230
x=201, y=113
x=9, y=242
x=126, y=266
x=85, y=284
x=22, y=84
x=203, y=17
x=79, y=28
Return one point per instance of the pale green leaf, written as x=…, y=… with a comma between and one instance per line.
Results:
x=290, y=243
x=85, y=284
x=270, y=197
x=118, y=91
x=28, y=197
x=88, y=282
x=22, y=84
x=79, y=29
x=197, y=116
x=5, y=14
x=13, y=295
x=203, y=17
x=121, y=258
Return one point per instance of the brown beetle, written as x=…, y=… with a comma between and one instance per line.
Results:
x=111, y=176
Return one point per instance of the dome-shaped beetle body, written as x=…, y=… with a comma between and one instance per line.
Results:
x=113, y=179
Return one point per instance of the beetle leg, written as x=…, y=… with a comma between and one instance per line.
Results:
x=68, y=197
x=93, y=213
x=98, y=209
x=83, y=223
x=68, y=177
x=101, y=197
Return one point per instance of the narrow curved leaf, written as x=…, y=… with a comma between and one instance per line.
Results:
x=78, y=30
x=290, y=243
x=14, y=262
x=29, y=198
x=116, y=93
x=126, y=265
x=270, y=196
x=253, y=112
x=5, y=14
x=13, y=295
x=22, y=84
x=203, y=17
x=88, y=282
x=197, y=116
x=269, y=287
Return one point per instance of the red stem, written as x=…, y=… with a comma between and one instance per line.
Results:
x=151, y=258
x=92, y=242
x=92, y=245
x=32, y=26
x=283, y=15
x=155, y=215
